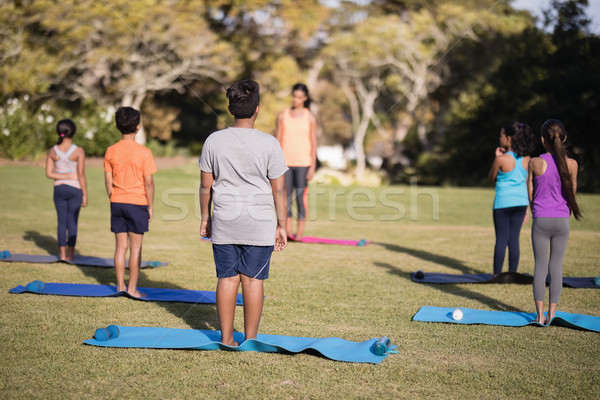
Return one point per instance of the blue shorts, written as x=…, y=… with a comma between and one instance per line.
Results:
x=235, y=259
x=125, y=217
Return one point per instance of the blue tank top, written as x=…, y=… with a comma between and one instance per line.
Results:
x=511, y=187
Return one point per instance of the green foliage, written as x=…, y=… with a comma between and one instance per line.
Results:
x=28, y=132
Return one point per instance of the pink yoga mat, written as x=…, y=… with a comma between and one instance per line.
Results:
x=312, y=239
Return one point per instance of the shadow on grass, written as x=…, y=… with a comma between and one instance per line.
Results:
x=455, y=290
x=431, y=257
x=197, y=316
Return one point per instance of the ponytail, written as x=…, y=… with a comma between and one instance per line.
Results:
x=554, y=134
x=65, y=128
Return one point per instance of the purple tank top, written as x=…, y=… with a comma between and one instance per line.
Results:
x=549, y=197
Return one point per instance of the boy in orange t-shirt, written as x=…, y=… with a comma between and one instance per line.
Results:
x=128, y=170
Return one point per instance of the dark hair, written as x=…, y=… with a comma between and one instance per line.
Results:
x=554, y=134
x=522, y=141
x=303, y=88
x=65, y=128
x=243, y=97
x=127, y=120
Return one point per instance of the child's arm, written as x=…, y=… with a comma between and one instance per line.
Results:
x=572, y=166
x=206, y=181
x=496, y=165
x=280, y=199
x=50, y=168
x=279, y=127
x=530, y=181
x=81, y=175
x=108, y=182
x=149, y=184
x=313, y=146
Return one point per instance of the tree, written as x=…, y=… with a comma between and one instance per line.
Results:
x=118, y=52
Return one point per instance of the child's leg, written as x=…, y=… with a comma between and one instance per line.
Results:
x=135, y=256
x=558, y=247
x=301, y=199
x=253, y=293
x=540, y=242
x=514, y=252
x=60, y=203
x=73, y=206
x=501, y=226
x=289, y=188
x=227, y=289
x=120, y=253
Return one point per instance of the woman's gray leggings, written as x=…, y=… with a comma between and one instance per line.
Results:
x=547, y=233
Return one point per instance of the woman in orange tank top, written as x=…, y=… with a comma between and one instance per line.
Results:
x=296, y=130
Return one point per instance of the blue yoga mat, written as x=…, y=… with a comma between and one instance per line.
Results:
x=91, y=290
x=505, y=318
x=167, y=338
x=79, y=260
x=505, y=277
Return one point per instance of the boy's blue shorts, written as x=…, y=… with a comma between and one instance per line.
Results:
x=125, y=217
x=235, y=259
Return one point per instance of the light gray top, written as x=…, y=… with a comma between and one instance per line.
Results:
x=242, y=162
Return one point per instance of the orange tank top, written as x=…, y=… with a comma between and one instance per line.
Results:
x=296, y=139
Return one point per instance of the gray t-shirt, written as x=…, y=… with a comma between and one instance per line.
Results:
x=242, y=162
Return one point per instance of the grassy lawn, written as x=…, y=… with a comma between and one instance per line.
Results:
x=355, y=293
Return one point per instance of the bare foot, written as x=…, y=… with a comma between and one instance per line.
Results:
x=230, y=343
x=548, y=318
x=136, y=293
x=121, y=288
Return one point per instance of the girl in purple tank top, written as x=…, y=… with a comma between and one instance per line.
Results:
x=66, y=166
x=551, y=184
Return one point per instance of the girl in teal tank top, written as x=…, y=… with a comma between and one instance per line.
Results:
x=509, y=173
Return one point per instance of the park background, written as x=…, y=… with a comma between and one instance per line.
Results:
x=414, y=92
x=406, y=89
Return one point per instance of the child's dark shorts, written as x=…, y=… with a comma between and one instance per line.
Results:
x=235, y=259
x=125, y=217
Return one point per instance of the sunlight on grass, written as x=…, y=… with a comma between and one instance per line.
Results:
x=355, y=293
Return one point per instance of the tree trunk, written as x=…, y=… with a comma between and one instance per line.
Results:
x=135, y=100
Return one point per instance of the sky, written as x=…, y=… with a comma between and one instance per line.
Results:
x=536, y=7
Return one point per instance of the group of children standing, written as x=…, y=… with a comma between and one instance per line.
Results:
x=547, y=184
x=245, y=207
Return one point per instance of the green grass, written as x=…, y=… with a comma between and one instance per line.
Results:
x=313, y=290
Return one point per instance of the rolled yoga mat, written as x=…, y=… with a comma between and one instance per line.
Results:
x=505, y=277
x=505, y=318
x=312, y=239
x=79, y=260
x=91, y=290
x=167, y=338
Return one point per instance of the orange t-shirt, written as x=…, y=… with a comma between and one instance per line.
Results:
x=296, y=139
x=129, y=163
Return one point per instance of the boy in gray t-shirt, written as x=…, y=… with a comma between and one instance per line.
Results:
x=242, y=175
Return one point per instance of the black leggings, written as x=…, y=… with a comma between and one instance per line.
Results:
x=67, y=200
x=507, y=223
x=295, y=178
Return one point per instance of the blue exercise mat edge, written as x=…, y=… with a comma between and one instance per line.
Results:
x=89, y=261
x=505, y=277
x=95, y=290
x=169, y=338
x=505, y=318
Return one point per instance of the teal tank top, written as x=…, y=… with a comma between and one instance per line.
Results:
x=511, y=187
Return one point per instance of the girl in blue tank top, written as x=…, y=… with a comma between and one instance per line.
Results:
x=66, y=166
x=509, y=173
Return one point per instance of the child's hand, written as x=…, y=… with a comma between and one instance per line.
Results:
x=205, y=228
x=150, y=213
x=84, y=201
x=280, y=239
x=500, y=151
